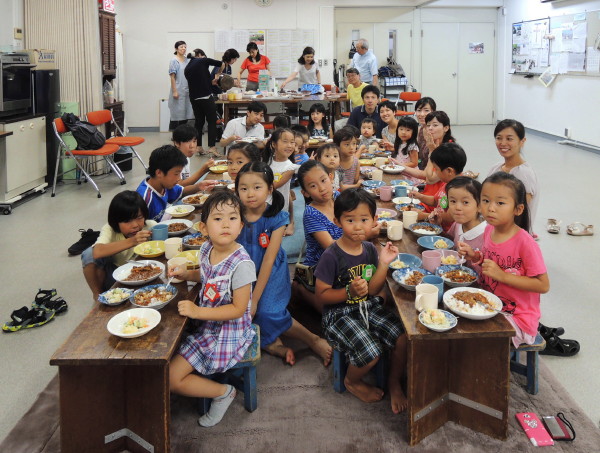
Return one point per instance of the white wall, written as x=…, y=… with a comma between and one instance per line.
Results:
x=571, y=101
x=11, y=17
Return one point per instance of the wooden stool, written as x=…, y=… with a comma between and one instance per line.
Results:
x=531, y=370
x=242, y=376
x=340, y=367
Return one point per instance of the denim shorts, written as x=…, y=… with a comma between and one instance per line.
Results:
x=87, y=257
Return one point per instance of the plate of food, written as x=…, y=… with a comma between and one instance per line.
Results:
x=365, y=162
x=401, y=182
x=426, y=229
x=150, y=249
x=115, y=296
x=218, y=169
x=177, y=227
x=435, y=242
x=194, y=241
x=472, y=303
x=133, y=323
x=392, y=169
x=450, y=256
x=409, y=207
x=248, y=140
x=437, y=320
x=191, y=256
x=367, y=156
x=382, y=154
x=404, y=260
x=179, y=210
x=138, y=274
x=196, y=200
x=153, y=296
x=456, y=276
x=366, y=171
x=410, y=277
x=373, y=184
x=385, y=214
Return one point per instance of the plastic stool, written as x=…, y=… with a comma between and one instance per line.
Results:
x=242, y=376
x=531, y=370
x=340, y=367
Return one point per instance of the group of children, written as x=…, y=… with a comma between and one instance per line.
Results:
x=244, y=274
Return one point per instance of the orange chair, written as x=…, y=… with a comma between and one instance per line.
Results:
x=407, y=97
x=100, y=117
x=403, y=113
x=106, y=153
x=327, y=87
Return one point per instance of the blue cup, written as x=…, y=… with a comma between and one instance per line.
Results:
x=400, y=191
x=436, y=281
x=160, y=232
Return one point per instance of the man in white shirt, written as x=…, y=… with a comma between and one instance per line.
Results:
x=246, y=126
x=366, y=62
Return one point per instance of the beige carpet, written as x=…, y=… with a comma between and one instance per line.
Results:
x=298, y=411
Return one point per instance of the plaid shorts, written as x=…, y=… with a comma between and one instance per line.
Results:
x=345, y=330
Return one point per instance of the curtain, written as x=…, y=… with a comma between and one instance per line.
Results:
x=71, y=28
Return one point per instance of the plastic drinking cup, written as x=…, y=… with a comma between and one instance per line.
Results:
x=426, y=296
x=172, y=247
x=385, y=193
x=431, y=259
x=379, y=161
x=409, y=217
x=436, y=281
x=160, y=232
x=377, y=175
x=400, y=191
x=394, y=230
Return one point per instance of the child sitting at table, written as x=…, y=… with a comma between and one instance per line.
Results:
x=317, y=121
x=300, y=156
x=225, y=333
x=349, y=166
x=368, y=127
x=348, y=278
x=329, y=156
x=512, y=265
x=239, y=155
x=161, y=188
x=185, y=139
x=127, y=226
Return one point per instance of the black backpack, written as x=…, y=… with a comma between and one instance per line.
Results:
x=88, y=137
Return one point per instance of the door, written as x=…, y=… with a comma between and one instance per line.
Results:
x=395, y=36
x=458, y=70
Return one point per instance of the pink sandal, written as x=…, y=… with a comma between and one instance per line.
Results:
x=580, y=229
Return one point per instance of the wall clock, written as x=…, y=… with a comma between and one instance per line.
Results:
x=264, y=3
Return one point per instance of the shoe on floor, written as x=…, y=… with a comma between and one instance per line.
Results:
x=580, y=229
x=553, y=226
x=88, y=238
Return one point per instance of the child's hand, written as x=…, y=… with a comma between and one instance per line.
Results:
x=465, y=250
x=206, y=186
x=359, y=287
x=362, y=149
x=490, y=268
x=388, y=253
x=415, y=194
x=435, y=216
x=179, y=272
x=313, y=155
x=187, y=308
x=375, y=230
x=387, y=145
x=209, y=163
x=142, y=236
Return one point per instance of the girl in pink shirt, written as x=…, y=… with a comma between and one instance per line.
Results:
x=512, y=264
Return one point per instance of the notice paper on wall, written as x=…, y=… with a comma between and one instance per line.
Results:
x=547, y=77
x=593, y=61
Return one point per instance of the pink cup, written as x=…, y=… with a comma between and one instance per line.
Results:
x=385, y=193
x=431, y=259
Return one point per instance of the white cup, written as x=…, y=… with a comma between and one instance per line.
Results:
x=426, y=297
x=394, y=230
x=373, y=147
x=179, y=262
x=409, y=217
x=377, y=175
x=379, y=161
x=172, y=247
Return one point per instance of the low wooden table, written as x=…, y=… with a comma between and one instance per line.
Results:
x=114, y=392
x=461, y=375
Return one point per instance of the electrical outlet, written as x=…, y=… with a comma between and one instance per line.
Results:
x=320, y=62
x=568, y=132
x=326, y=61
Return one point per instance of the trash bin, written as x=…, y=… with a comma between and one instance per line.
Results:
x=123, y=158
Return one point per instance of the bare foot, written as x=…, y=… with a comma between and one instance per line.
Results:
x=399, y=401
x=278, y=349
x=289, y=230
x=322, y=348
x=364, y=391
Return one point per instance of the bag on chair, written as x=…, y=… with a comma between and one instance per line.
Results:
x=87, y=135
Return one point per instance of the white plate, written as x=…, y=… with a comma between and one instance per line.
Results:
x=202, y=200
x=188, y=223
x=122, y=272
x=180, y=210
x=116, y=323
x=392, y=170
x=451, y=305
x=449, y=316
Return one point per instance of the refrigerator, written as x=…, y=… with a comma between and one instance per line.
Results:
x=45, y=100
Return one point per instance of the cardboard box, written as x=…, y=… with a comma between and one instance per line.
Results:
x=43, y=58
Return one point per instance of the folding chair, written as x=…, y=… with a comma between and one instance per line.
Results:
x=99, y=117
x=106, y=153
x=407, y=97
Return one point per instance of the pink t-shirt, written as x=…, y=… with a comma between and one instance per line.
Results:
x=520, y=255
x=473, y=237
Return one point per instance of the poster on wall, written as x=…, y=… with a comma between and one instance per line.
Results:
x=258, y=37
x=530, y=46
x=475, y=47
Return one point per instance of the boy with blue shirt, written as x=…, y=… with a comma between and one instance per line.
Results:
x=348, y=278
x=161, y=188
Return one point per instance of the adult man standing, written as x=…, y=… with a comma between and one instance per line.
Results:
x=246, y=126
x=366, y=62
x=370, y=95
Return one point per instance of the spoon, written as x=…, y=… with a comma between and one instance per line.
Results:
x=169, y=282
x=136, y=262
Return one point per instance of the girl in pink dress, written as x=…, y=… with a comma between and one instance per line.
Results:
x=512, y=266
x=406, y=150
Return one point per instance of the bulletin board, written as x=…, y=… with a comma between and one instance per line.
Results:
x=530, y=46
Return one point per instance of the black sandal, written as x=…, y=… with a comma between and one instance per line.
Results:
x=548, y=332
x=26, y=318
x=43, y=296
x=561, y=347
x=58, y=305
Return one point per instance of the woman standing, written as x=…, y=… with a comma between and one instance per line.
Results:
x=307, y=69
x=254, y=63
x=179, y=96
x=199, y=80
x=229, y=57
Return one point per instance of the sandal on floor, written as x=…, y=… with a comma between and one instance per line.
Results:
x=553, y=226
x=58, y=305
x=561, y=347
x=43, y=296
x=580, y=229
x=548, y=332
x=25, y=318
